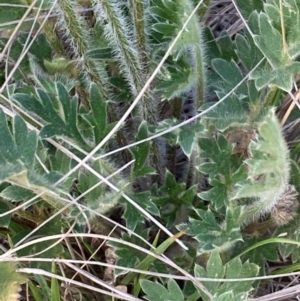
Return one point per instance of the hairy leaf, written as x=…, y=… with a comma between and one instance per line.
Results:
x=247, y=52
x=10, y=282
x=269, y=170
x=280, y=51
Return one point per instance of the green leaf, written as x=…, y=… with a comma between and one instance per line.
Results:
x=171, y=187
x=217, y=194
x=17, y=194
x=230, y=296
x=40, y=49
x=14, y=54
x=247, y=52
x=218, y=151
x=35, y=291
x=11, y=13
x=59, y=65
x=173, y=198
x=163, y=13
x=132, y=215
x=260, y=255
x=141, y=152
x=231, y=75
x=146, y=170
x=128, y=256
x=290, y=11
x=19, y=148
x=227, y=47
x=157, y=292
x=220, y=48
x=26, y=141
x=291, y=251
x=60, y=123
x=44, y=286
x=214, y=269
x=234, y=269
x=99, y=117
x=39, y=249
x=295, y=175
x=188, y=195
x=10, y=282
x=269, y=41
x=167, y=18
x=60, y=162
x=213, y=235
x=280, y=77
x=186, y=140
x=165, y=29
x=212, y=47
x=4, y=220
x=177, y=78
x=100, y=198
x=17, y=157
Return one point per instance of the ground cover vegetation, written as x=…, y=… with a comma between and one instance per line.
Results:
x=149, y=150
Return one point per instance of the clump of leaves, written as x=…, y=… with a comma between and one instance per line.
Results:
x=78, y=146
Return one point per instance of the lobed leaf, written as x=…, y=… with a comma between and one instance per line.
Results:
x=61, y=121
x=157, y=292
x=234, y=269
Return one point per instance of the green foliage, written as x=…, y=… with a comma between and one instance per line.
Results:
x=222, y=179
x=132, y=215
x=4, y=221
x=212, y=235
x=232, y=270
x=278, y=42
x=10, y=281
x=156, y=291
x=141, y=153
x=222, y=169
x=168, y=19
x=63, y=124
x=174, y=197
x=128, y=256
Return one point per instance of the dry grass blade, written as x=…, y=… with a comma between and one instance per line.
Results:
x=287, y=294
x=117, y=293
